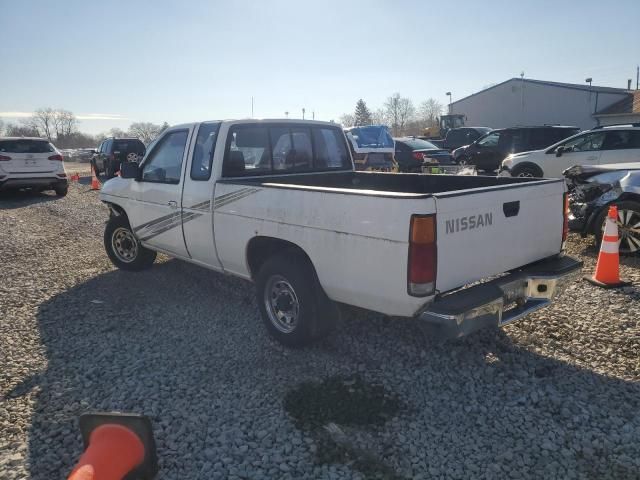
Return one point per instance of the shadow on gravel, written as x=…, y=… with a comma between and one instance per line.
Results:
x=186, y=347
x=12, y=199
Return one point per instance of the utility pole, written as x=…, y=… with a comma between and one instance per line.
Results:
x=638, y=77
x=313, y=115
x=286, y=114
x=303, y=113
x=251, y=107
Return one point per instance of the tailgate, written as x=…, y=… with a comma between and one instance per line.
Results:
x=485, y=232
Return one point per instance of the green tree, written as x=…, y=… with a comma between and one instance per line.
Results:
x=362, y=113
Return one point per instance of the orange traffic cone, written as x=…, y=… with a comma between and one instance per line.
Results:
x=75, y=177
x=117, y=445
x=607, y=274
x=95, y=184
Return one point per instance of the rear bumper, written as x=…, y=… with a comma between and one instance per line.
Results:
x=500, y=301
x=24, y=182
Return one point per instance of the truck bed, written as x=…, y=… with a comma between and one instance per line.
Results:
x=387, y=184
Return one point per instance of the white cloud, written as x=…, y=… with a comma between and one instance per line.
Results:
x=82, y=116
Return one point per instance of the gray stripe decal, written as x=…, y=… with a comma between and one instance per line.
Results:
x=186, y=218
x=238, y=196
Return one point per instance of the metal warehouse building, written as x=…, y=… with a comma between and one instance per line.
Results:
x=523, y=101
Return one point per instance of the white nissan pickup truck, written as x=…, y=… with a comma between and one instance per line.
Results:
x=278, y=202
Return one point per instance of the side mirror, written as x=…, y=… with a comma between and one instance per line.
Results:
x=559, y=151
x=129, y=170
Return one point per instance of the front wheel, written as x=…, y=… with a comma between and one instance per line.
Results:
x=628, y=227
x=527, y=171
x=62, y=191
x=123, y=248
x=293, y=306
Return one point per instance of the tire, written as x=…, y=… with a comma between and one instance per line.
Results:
x=293, y=306
x=123, y=248
x=628, y=217
x=62, y=191
x=527, y=171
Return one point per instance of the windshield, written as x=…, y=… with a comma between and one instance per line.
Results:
x=375, y=136
x=417, y=144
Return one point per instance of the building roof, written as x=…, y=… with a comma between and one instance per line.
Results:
x=572, y=86
x=627, y=106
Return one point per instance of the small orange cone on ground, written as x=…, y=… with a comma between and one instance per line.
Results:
x=113, y=452
x=607, y=274
x=75, y=177
x=95, y=184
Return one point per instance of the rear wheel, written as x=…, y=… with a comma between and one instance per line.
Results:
x=628, y=227
x=294, y=308
x=123, y=248
x=62, y=191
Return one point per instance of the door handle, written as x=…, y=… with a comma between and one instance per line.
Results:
x=172, y=204
x=511, y=209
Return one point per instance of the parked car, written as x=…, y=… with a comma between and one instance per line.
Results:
x=488, y=152
x=593, y=188
x=312, y=233
x=372, y=148
x=34, y=163
x=412, y=153
x=599, y=146
x=460, y=137
x=113, y=151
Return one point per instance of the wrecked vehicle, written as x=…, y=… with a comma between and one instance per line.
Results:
x=593, y=188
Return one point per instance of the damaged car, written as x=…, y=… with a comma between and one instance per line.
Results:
x=593, y=188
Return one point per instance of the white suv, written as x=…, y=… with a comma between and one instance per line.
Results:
x=599, y=146
x=31, y=163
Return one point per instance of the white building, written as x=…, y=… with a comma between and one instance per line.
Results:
x=523, y=101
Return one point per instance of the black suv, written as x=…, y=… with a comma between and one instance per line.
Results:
x=459, y=137
x=487, y=152
x=113, y=151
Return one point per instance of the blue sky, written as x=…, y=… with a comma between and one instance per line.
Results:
x=116, y=62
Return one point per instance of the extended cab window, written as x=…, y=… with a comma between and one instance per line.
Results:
x=621, y=140
x=164, y=163
x=203, y=151
x=274, y=149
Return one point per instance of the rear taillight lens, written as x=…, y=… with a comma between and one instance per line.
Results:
x=418, y=156
x=421, y=271
x=4, y=158
x=56, y=157
x=565, y=215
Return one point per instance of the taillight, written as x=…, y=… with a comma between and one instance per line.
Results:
x=418, y=156
x=421, y=271
x=565, y=224
x=4, y=158
x=56, y=157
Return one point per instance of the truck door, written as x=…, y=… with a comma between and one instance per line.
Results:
x=197, y=195
x=156, y=217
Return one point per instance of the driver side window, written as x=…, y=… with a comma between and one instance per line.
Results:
x=164, y=164
x=585, y=143
x=490, y=140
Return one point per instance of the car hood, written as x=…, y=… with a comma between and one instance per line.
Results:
x=588, y=170
x=524, y=154
x=116, y=187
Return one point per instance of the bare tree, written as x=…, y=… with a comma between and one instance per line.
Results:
x=117, y=132
x=379, y=117
x=43, y=121
x=429, y=112
x=17, y=130
x=65, y=123
x=348, y=120
x=399, y=110
x=145, y=131
x=1, y=126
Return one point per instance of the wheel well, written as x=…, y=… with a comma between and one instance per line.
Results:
x=116, y=210
x=260, y=249
x=530, y=165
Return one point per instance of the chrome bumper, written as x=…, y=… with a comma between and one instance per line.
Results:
x=500, y=301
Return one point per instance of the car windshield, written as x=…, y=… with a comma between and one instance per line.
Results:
x=374, y=136
x=418, y=144
x=25, y=146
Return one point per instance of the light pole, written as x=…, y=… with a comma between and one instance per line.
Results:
x=449, y=95
x=589, y=80
x=303, y=110
x=286, y=114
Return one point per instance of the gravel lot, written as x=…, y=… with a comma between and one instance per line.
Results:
x=553, y=396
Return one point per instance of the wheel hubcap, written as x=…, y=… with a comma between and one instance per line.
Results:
x=629, y=231
x=125, y=245
x=525, y=174
x=282, y=304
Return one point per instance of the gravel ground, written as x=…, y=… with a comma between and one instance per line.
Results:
x=552, y=396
